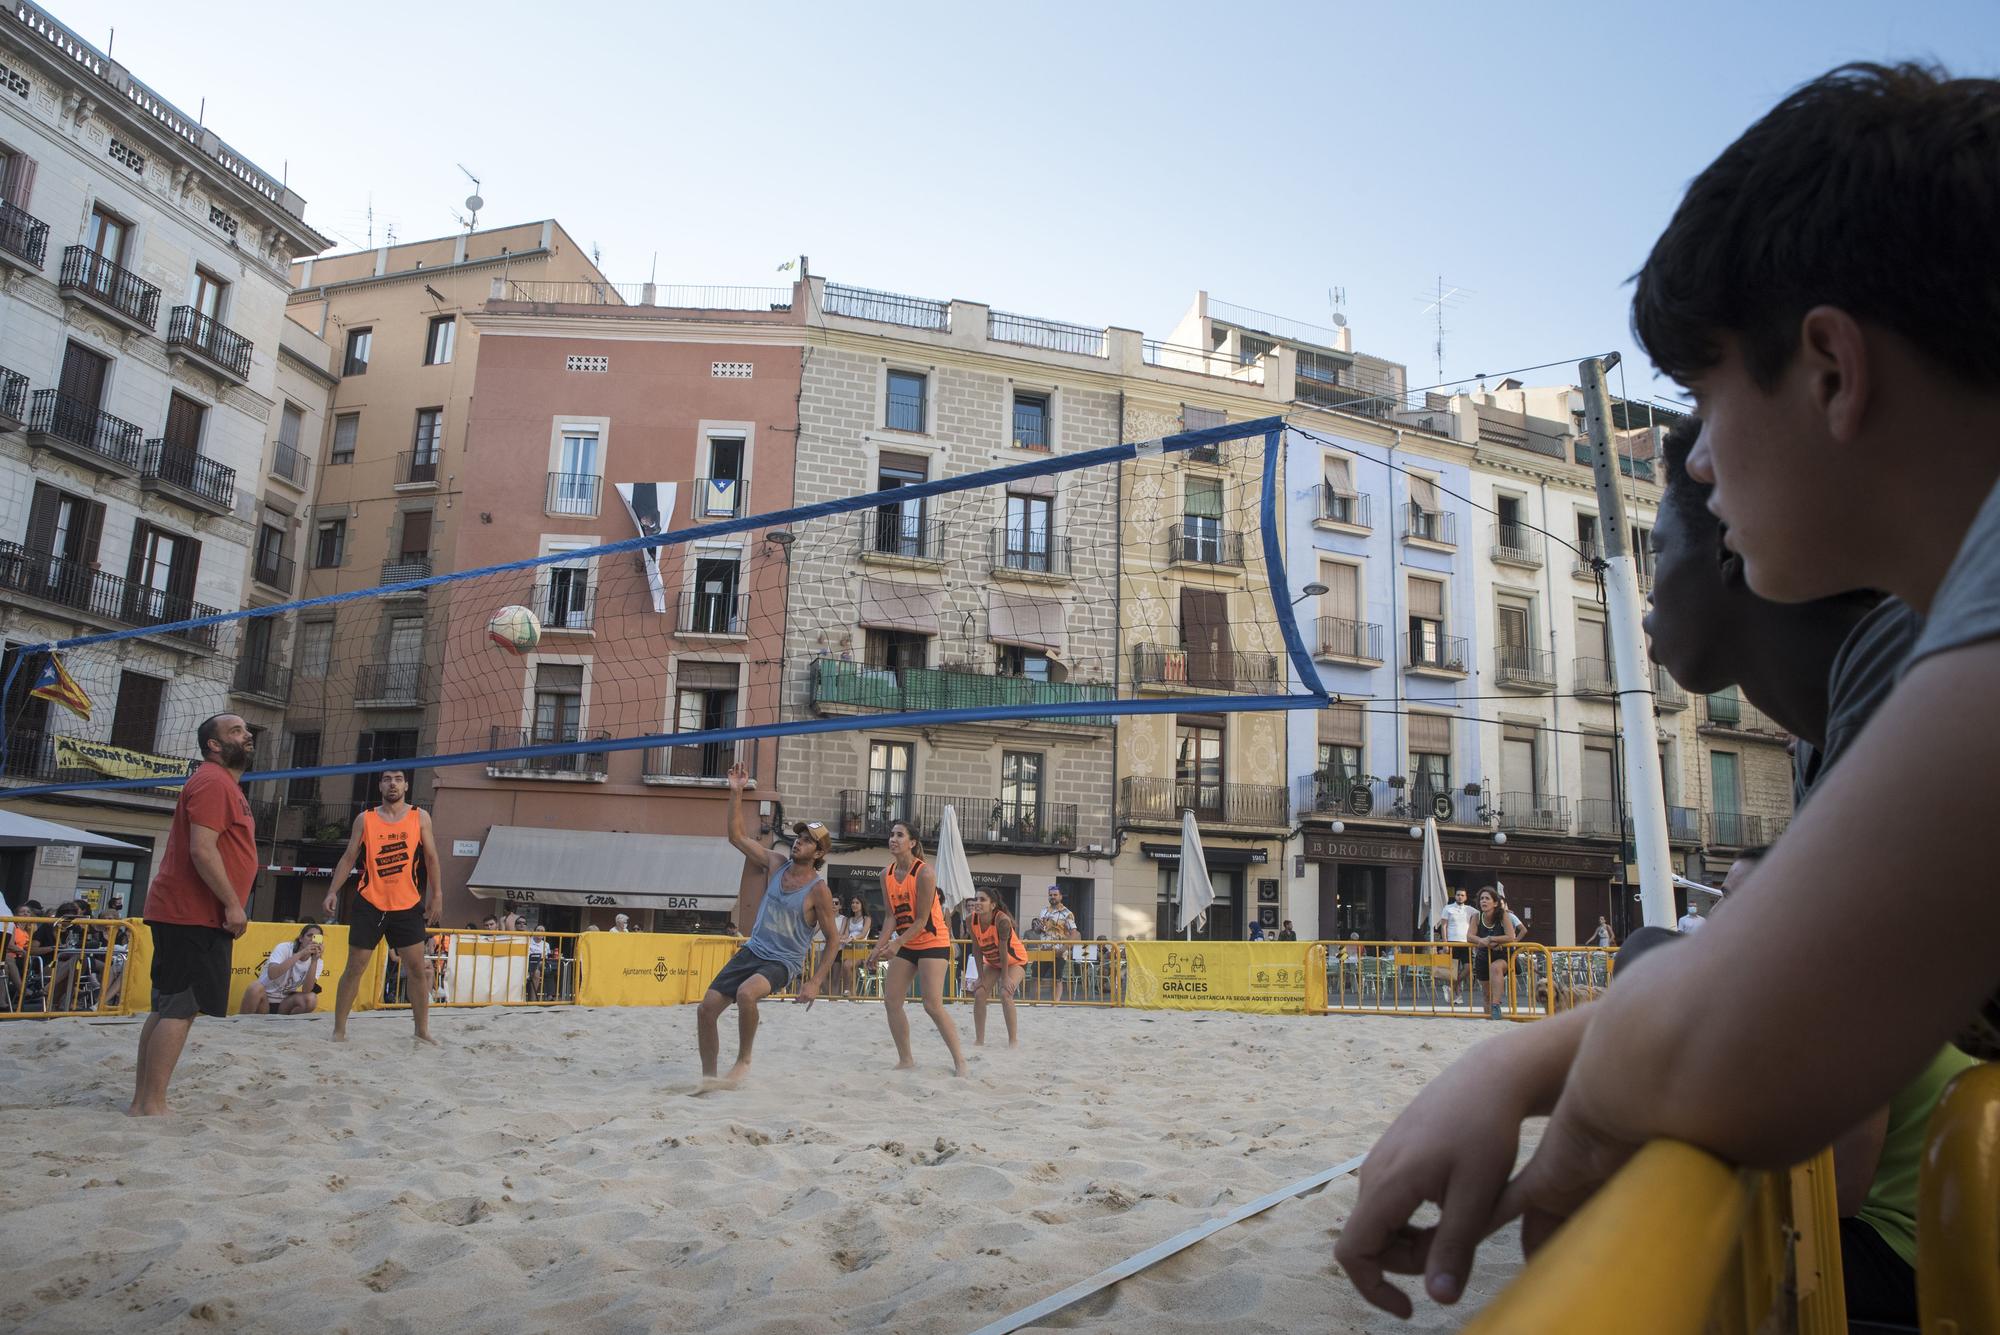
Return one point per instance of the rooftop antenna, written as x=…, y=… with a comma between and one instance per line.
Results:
x=371, y=221
x=1336, y=298
x=1447, y=296
x=469, y=220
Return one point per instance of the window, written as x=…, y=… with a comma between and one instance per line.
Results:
x=1586, y=535
x=1430, y=763
x=1427, y=646
x=1250, y=348
x=1198, y=769
x=1209, y=659
x=83, y=376
x=704, y=701
x=1520, y=772
x=17, y=178
x=1642, y=554
x=721, y=496
x=135, y=724
x=105, y=237
x=1426, y=510
x=426, y=445
x=1340, y=758
x=209, y=291
x=1725, y=707
x=360, y=342
x=255, y=656
x=1201, y=521
x=566, y=601
x=717, y=610
x=1031, y=421
x=330, y=545
x=160, y=575
x=315, y=650
x=270, y=562
x=900, y=529
x=1339, y=764
x=184, y=422
x=1600, y=779
x=415, y=544
x=291, y=425
x=346, y=431
x=1726, y=796
x=1338, y=501
x=906, y=401
x=67, y=528
x=1517, y=644
x=1027, y=536
x=573, y=490
x=1200, y=419
x=1019, y=661
x=1020, y=814
x=558, y=702
x=305, y=754
x=890, y=767
x=438, y=343
x=386, y=745
x=1341, y=630
x=897, y=649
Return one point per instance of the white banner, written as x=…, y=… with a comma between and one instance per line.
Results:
x=651, y=507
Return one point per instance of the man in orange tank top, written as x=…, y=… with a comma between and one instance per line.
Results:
x=386, y=843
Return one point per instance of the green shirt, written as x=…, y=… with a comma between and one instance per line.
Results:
x=1891, y=1207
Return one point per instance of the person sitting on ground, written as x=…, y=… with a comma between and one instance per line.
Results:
x=288, y=984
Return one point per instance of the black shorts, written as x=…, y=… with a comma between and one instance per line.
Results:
x=931, y=953
x=745, y=965
x=190, y=970
x=402, y=928
x=1482, y=961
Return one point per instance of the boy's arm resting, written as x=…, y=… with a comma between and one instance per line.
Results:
x=1675, y=1046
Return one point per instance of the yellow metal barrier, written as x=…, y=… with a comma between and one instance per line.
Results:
x=1436, y=978
x=481, y=968
x=1958, y=1208
x=69, y=966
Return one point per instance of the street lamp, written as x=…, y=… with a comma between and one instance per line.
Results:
x=1312, y=590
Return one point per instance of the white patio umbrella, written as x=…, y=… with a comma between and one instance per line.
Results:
x=954, y=874
x=1430, y=879
x=20, y=831
x=1196, y=891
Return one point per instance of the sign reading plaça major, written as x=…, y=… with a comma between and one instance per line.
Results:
x=1268, y=976
x=651, y=506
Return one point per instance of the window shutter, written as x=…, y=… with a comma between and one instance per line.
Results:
x=136, y=560
x=1342, y=600
x=416, y=533
x=1340, y=473
x=1198, y=419
x=93, y=534
x=1430, y=733
x=906, y=463
x=180, y=579
x=559, y=676
x=19, y=187
x=42, y=518
x=698, y=676
x=1340, y=725
x=1424, y=494
x=1427, y=599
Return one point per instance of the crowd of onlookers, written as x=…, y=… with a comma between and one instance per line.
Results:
x=68, y=962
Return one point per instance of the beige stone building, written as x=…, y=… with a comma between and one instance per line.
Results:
x=388, y=476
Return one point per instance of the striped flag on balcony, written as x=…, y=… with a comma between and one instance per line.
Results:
x=56, y=684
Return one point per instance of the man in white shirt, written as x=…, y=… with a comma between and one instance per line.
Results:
x=1457, y=917
x=1691, y=922
x=288, y=984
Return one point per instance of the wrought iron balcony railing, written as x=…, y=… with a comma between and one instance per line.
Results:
x=111, y=286
x=212, y=339
x=1518, y=666
x=1438, y=526
x=1532, y=813
x=581, y=764
x=840, y=685
x=906, y=535
x=86, y=427
x=71, y=584
x=1338, y=637
x=573, y=493
x=265, y=677
x=23, y=235
x=1343, y=507
x=983, y=822
x=1035, y=551
x=1434, y=653
x=391, y=685
x=189, y=471
x=712, y=614
x=1161, y=801
x=1203, y=669
x=1517, y=544
x=1202, y=543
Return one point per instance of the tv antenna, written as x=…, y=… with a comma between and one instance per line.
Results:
x=469, y=220
x=1336, y=298
x=1449, y=296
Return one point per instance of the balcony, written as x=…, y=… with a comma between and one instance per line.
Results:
x=1735, y=829
x=1667, y=693
x=417, y=470
x=841, y=687
x=1736, y=716
x=109, y=289
x=274, y=571
x=1175, y=667
x=1036, y=552
x=84, y=433
x=1683, y=825
x=213, y=343
x=1342, y=640
x=1532, y=813
x=1437, y=527
x=985, y=823
x=1595, y=679
x=1601, y=818
x=13, y=400
x=405, y=568
x=582, y=767
x=390, y=686
x=1437, y=655
x=1520, y=668
x=701, y=762
x=1143, y=801
x=712, y=614
x=718, y=498
x=898, y=537
x=1587, y=557
x=860, y=303
x=188, y=476
x=1051, y=335
x=574, y=494
x=24, y=238
x=1439, y=801
x=1201, y=543
x=67, y=584
x=564, y=606
x=1337, y=794
x=1350, y=509
x=288, y=464
x=1517, y=545
x=263, y=677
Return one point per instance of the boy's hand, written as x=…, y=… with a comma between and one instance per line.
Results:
x=1575, y=1157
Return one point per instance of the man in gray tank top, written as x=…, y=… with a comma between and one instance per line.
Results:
x=795, y=902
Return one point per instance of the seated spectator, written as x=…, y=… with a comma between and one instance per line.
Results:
x=1257, y=931
x=288, y=984
x=538, y=962
x=1287, y=932
x=71, y=941
x=620, y=923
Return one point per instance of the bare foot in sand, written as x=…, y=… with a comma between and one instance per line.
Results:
x=906, y=1066
x=340, y=1035
x=425, y=1038
x=961, y=1071
x=153, y=1110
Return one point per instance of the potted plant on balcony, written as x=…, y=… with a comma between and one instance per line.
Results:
x=994, y=824
x=850, y=823
x=1063, y=835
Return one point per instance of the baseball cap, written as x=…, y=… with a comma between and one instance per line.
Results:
x=816, y=831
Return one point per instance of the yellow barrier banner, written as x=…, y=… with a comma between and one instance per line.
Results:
x=1267, y=976
x=119, y=763
x=250, y=950
x=135, y=995
x=633, y=969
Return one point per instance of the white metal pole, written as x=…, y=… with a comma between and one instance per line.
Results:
x=1632, y=670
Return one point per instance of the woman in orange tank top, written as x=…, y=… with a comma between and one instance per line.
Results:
x=1002, y=961
x=916, y=943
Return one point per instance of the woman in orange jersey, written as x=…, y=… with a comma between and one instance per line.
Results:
x=1002, y=961
x=916, y=943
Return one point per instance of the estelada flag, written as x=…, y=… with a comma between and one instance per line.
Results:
x=56, y=684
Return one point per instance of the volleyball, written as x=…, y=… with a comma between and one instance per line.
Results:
x=515, y=629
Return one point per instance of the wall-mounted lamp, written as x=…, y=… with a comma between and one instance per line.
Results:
x=1312, y=590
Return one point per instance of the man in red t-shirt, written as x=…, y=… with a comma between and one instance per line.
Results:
x=195, y=907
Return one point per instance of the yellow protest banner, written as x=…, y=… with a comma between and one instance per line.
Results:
x=247, y=956
x=118, y=763
x=1268, y=976
x=632, y=969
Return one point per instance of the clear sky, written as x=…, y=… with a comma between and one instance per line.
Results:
x=1088, y=161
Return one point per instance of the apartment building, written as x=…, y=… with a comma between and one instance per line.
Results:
x=144, y=389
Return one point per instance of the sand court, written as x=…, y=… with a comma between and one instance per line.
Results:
x=559, y=1169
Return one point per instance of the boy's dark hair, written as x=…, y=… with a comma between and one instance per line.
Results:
x=1874, y=189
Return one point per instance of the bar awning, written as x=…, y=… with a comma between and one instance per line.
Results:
x=601, y=869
